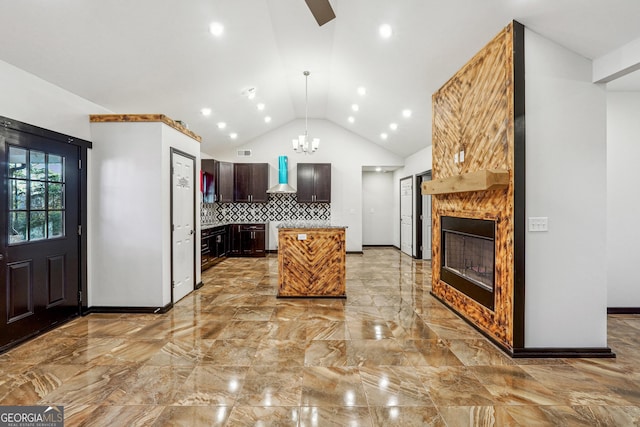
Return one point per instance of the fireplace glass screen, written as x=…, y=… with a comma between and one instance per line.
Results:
x=470, y=257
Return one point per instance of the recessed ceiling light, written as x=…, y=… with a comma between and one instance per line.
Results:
x=267, y=119
x=406, y=113
x=216, y=29
x=233, y=135
x=355, y=107
x=393, y=126
x=260, y=106
x=385, y=31
x=221, y=125
x=351, y=119
x=378, y=169
x=206, y=111
x=384, y=135
x=362, y=91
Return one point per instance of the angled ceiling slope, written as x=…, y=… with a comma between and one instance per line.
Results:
x=159, y=57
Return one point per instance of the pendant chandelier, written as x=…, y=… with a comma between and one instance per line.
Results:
x=303, y=144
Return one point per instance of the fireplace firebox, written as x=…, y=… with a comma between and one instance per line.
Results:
x=467, y=260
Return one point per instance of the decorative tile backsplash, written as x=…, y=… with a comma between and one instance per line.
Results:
x=280, y=207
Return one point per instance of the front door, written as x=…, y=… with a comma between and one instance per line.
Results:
x=183, y=208
x=39, y=237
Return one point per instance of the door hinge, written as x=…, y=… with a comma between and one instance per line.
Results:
x=173, y=284
x=79, y=297
x=79, y=163
x=79, y=230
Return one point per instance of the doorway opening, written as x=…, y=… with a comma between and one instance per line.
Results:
x=423, y=216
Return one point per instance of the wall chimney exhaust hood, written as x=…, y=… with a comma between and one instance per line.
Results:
x=283, y=178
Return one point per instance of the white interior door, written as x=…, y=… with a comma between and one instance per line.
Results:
x=426, y=227
x=406, y=216
x=183, y=240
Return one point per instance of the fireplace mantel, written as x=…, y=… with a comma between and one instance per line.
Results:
x=482, y=180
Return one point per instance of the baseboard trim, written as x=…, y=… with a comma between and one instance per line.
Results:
x=623, y=310
x=584, y=352
x=271, y=251
x=199, y=285
x=130, y=310
x=378, y=246
x=533, y=352
x=311, y=296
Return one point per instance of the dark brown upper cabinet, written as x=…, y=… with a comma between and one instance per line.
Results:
x=217, y=181
x=251, y=181
x=314, y=183
x=224, y=182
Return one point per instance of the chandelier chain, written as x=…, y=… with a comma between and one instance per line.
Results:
x=306, y=104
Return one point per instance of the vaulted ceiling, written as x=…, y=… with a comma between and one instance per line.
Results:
x=158, y=56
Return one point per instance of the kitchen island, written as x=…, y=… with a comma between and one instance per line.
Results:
x=311, y=260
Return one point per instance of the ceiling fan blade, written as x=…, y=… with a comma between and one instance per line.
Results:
x=321, y=10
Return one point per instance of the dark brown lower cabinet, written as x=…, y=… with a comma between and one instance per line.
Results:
x=248, y=240
x=214, y=246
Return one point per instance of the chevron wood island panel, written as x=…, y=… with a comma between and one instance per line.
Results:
x=311, y=262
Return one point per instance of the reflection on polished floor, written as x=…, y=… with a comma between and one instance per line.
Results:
x=233, y=354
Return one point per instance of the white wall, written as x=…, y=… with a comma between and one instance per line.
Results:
x=377, y=208
x=565, y=181
x=171, y=138
x=132, y=208
x=30, y=99
x=415, y=164
x=623, y=204
x=347, y=153
x=617, y=63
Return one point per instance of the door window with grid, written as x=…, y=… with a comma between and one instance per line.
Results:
x=36, y=195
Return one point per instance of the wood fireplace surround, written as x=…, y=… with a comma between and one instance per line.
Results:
x=478, y=173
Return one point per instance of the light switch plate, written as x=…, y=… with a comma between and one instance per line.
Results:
x=302, y=237
x=538, y=223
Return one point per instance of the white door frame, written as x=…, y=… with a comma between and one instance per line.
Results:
x=177, y=227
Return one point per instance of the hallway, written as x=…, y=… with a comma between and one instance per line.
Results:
x=233, y=354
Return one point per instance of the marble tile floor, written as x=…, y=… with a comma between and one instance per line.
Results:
x=232, y=354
